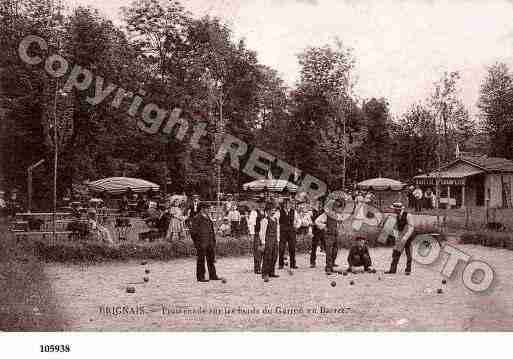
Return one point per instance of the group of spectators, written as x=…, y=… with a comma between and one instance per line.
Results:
x=9, y=205
x=419, y=199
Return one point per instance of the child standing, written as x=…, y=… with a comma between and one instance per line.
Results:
x=234, y=217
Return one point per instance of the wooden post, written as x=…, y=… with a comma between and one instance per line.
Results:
x=29, y=189
x=463, y=196
x=448, y=196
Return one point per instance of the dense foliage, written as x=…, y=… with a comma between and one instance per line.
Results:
x=161, y=51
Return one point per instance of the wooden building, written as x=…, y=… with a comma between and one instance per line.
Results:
x=472, y=180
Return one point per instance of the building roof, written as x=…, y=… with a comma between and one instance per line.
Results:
x=489, y=164
x=479, y=163
x=450, y=174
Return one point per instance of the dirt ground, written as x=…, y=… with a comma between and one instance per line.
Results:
x=375, y=302
x=26, y=301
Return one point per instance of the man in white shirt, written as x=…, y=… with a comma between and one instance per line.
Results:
x=417, y=195
x=332, y=222
x=403, y=233
x=234, y=218
x=255, y=218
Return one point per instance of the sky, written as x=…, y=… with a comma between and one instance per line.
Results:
x=401, y=47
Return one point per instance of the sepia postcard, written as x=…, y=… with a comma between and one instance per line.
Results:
x=244, y=165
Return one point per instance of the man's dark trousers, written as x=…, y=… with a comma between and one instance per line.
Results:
x=208, y=255
x=257, y=254
x=317, y=240
x=358, y=258
x=203, y=237
x=287, y=238
x=331, y=251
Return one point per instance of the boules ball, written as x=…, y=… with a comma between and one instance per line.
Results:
x=146, y=279
x=444, y=281
x=379, y=278
x=143, y=263
x=223, y=280
x=147, y=271
x=351, y=282
x=130, y=289
x=333, y=283
x=439, y=291
x=290, y=272
x=407, y=273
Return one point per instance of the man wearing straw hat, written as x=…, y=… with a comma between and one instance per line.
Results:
x=403, y=233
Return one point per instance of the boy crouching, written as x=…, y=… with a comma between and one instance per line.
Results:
x=359, y=256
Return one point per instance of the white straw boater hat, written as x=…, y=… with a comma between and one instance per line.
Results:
x=397, y=205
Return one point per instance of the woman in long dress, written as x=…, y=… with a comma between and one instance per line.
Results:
x=176, y=223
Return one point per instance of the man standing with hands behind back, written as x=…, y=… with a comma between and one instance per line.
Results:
x=203, y=236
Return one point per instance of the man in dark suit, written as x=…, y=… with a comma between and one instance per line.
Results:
x=203, y=236
x=288, y=226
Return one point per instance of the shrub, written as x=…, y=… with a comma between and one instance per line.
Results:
x=94, y=251
x=488, y=239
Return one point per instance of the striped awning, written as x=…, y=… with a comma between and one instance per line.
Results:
x=118, y=185
x=381, y=184
x=446, y=177
x=271, y=185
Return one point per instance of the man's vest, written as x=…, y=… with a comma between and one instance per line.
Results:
x=333, y=227
x=315, y=214
x=257, y=222
x=287, y=220
x=194, y=212
x=271, y=235
x=402, y=221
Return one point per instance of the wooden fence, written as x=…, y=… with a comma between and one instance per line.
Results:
x=475, y=218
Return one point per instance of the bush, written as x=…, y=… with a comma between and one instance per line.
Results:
x=488, y=239
x=94, y=251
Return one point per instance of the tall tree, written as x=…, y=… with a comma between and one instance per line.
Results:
x=375, y=160
x=454, y=123
x=325, y=75
x=496, y=106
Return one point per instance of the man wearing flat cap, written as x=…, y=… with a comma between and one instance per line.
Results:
x=203, y=236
